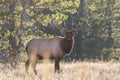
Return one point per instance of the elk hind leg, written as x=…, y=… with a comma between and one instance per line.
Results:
x=34, y=67
x=33, y=64
x=27, y=66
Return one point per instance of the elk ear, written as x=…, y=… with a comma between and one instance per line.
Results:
x=75, y=31
x=63, y=31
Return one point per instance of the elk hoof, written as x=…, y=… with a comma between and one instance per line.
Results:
x=58, y=71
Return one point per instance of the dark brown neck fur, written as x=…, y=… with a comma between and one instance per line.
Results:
x=66, y=45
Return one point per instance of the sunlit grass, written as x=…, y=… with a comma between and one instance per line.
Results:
x=70, y=71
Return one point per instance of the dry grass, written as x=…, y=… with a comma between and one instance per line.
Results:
x=70, y=71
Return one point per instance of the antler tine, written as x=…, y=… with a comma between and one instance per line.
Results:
x=63, y=24
x=54, y=24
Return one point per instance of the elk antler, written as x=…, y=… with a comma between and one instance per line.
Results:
x=54, y=25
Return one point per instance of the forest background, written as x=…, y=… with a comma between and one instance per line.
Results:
x=99, y=20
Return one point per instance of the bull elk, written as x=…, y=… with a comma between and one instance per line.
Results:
x=52, y=48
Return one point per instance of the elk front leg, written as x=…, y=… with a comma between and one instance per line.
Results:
x=57, y=66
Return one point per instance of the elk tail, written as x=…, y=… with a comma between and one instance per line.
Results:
x=25, y=46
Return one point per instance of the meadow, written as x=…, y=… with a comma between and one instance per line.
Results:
x=69, y=71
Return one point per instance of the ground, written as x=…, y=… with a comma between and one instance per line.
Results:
x=70, y=71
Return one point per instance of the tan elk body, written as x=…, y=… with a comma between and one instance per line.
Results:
x=52, y=48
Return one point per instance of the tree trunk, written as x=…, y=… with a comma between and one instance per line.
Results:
x=81, y=8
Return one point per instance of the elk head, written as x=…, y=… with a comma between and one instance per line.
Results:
x=66, y=33
x=69, y=33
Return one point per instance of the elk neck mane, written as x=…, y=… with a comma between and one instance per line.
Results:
x=66, y=45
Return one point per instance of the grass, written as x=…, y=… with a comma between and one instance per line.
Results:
x=70, y=71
